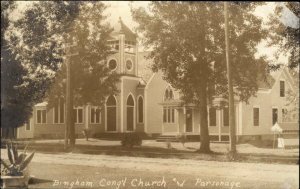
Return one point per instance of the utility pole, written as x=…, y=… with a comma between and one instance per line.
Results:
x=69, y=130
x=230, y=87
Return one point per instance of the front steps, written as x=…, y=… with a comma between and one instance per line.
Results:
x=167, y=138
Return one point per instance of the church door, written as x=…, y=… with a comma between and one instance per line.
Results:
x=111, y=111
x=130, y=113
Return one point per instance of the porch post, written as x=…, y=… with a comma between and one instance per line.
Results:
x=86, y=120
x=184, y=119
x=219, y=124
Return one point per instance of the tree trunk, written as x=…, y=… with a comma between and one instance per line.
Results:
x=70, y=126
x=71, y=116
x=230, y=88
x=204, y=133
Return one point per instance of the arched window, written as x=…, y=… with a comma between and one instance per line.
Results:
x=111, y=113
x=169, y=94
x=140, y=110
x=130, y=113
x=168, y=112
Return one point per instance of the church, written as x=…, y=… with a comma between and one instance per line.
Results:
x=147, y=103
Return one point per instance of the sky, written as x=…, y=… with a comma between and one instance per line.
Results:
x=121, y=9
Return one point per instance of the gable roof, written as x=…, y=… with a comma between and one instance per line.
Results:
x=265, y=82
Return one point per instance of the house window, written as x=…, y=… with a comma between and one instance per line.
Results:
x=282, y=89
x=78, y=115
x=256, y=116
x=212, y=117
x=168, y=115
x=95, y=115
x=41, y=116
x=274, y=115
x=59, y=111
x=225, y=117
x=140, y=110
x=27, y=125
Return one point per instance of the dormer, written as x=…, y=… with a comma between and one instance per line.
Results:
x=124, y=47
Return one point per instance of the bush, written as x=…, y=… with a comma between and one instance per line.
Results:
x=132, y=139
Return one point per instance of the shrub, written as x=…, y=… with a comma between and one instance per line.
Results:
x=132, y=139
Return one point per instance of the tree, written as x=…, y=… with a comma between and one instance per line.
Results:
x=287, y=37
x=188, y=45
x=39, y=38
x=91, y=79
x=11, y=76
x=24, y=73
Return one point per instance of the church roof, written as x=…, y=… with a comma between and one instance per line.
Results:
x=265, y=83
x=121, y=28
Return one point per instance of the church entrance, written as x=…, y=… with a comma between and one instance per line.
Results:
x=111, y=111
x=130, y=113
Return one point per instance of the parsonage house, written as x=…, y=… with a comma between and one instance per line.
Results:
x=147, y=103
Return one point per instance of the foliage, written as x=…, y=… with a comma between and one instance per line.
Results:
x=39, y=39
x=14, y=107
x=29, y=56
x=287, y=37
x=18, y=162
x=132, y=139
x=91, y=79
x=188, y=45
x=293, y=98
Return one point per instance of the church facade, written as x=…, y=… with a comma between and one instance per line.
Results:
x=147, y=103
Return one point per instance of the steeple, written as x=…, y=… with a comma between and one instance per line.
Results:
x=121, y=28
x=124, y=47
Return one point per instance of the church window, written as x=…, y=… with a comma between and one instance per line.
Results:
x=112, y=64
x=129, y=65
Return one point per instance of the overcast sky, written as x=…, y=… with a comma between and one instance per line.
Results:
x=122, y=9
